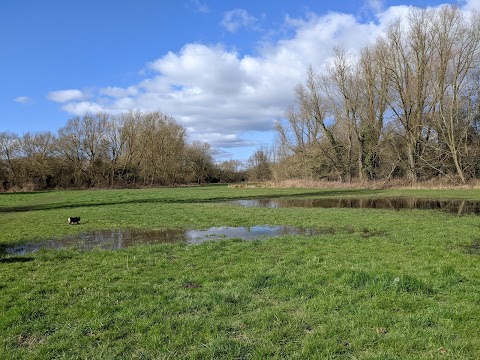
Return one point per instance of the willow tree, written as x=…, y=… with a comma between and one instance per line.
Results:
x=371, y=109
x=457, y=56
x=307, y=133
x=160, y=148
x=340, y=87
x=9, y=152
x=82, y=141
x=259, y=165
x=408, y=63
x=198, y=162
x=39, y=150
x=357, y=92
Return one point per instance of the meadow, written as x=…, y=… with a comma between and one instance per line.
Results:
x=375, y=284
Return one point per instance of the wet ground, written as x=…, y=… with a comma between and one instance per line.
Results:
x=460, y=207
x=118, y=239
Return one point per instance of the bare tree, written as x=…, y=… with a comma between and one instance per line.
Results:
x=298, y=139
x=373, y=102
x=82, y=142
x=231, y=171
x=457, y=50
x=39, y=152
x=70, y=146
x=162, y=143
x=259, y=165
x=105, y=150
x=115, y=145
x=306, y=134
x=410, y=49
x=199, y=159
x=340, y=87
x=131, y=147
x=9, y=153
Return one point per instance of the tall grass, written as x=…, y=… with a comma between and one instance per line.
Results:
x=433, y=184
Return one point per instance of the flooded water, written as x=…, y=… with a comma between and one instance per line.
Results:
x=474, y=247
x=460, y=207
x=118, y=239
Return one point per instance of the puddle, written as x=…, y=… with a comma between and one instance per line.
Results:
x=119, y=239
x=460, y=207
x=473, y=248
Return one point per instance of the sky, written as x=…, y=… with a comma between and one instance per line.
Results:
x=224, y=69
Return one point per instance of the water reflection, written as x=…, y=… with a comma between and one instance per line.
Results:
x=246, y=233
x=103, y=239
x=460, y=207
x=118, y=239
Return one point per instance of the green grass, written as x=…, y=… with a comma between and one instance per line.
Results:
x=380, y=285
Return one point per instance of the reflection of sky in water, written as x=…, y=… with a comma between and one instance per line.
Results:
x=244, y=233
x=118, y=239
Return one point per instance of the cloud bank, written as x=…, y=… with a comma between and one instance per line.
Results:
x=220, y=95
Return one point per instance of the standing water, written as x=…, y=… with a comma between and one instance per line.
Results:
x=460, y=207
x=118, y=238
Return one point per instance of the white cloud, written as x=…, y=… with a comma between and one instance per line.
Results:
x=200, y=6
x=375, y=5
x=472, y=4
x=235, y=19
x=221, y=96
x=22, y=100
x=118, y=92
x=224, y=140
x=80, y=108
x=389, y=15
x=63, y=96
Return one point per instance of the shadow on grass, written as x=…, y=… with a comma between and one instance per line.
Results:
x=16, y=259
x=20, y=193
x=6, y=258
x=242, y=195
x=473, y=248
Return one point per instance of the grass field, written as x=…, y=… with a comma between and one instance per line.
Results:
x=379, y=284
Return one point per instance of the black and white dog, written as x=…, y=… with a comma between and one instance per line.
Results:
x=73, y=220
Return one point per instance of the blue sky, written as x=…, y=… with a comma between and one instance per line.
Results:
x=224, y=69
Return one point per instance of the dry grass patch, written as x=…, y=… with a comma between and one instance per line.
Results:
x=434, y=184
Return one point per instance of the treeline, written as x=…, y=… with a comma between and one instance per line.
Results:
x=102, y=150
x=407, y=107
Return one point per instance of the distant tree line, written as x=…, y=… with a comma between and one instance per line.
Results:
x=102, y=150
x=407, y=107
